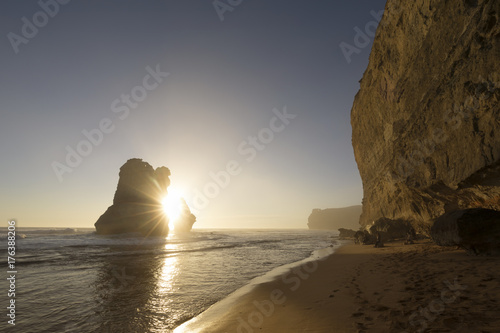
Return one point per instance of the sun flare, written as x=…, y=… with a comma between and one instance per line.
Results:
x=172, y=205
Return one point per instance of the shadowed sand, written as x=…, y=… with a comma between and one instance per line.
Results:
x=397, y=288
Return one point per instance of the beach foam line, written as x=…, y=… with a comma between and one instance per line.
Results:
x=214, y=312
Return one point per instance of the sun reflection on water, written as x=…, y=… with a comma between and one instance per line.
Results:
x=162, y=304
x=169, y=272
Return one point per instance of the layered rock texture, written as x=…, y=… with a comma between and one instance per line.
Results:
x=335, y=218
x=426, y=119
x=137, y=204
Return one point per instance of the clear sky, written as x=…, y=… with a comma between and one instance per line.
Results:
x=101, y=67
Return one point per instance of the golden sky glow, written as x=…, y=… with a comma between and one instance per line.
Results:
x=215, y=108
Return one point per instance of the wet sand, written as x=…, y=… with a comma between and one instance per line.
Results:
x=397, y=288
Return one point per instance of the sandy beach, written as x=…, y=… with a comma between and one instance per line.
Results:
x=397, y=288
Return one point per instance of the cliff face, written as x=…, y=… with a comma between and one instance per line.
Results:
x=137, y=204
x=426, y=119
x=335, y=218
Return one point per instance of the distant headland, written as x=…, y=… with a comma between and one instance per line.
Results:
x=335, y=218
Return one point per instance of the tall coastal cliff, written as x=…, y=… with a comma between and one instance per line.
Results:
x=426, y=119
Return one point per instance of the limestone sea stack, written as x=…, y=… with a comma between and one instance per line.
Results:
x=184, y=223
x=137, y=206
x=426, y=119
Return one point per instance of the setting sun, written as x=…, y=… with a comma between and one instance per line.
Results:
x=172, y=205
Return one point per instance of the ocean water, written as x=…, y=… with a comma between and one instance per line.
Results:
x=76, y=281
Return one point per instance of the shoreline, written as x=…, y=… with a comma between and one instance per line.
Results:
x=198, y=323
x=359, y=288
